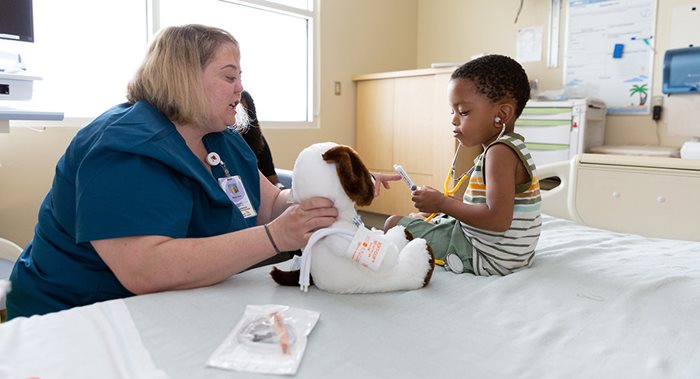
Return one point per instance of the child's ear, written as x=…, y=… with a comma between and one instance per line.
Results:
x=506, y=112
x=354, y=175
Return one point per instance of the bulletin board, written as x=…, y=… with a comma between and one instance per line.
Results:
x=610, y=52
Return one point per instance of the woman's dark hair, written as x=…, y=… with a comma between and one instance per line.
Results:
x=252, y=135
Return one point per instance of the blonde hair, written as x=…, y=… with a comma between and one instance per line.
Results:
x=170, y=76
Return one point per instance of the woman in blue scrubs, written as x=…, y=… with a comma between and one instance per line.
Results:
x=160, y=193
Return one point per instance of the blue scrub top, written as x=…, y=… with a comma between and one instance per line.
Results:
x=128, y=173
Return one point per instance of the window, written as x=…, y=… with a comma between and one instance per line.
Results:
x=277, y=58
x=85, y=62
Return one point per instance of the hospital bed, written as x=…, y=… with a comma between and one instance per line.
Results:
x=595, y=303
x=651, y=196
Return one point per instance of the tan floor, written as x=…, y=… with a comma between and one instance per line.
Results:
x=373, y=219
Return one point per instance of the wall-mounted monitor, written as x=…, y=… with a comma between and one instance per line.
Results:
x=16, y=20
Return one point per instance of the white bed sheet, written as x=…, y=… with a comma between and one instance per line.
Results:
x=95, y=341
x=594, y=304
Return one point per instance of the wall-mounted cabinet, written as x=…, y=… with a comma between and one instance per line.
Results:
x=404, y=118
x=557, y=130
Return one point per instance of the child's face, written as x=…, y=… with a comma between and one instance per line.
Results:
x=473, y=114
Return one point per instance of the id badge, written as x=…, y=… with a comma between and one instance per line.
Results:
x=234, y=189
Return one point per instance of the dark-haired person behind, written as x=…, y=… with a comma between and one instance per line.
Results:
x=257, y=142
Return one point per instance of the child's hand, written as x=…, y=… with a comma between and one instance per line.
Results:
x=383, y=180
x=428, y=199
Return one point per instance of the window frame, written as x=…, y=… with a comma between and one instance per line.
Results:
x=313, y=71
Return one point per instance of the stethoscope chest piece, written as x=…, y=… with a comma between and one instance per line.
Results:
x=454, y=263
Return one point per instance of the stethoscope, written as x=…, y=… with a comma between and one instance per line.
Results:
x=451, y=173
x=452, y=261
x=450, y=177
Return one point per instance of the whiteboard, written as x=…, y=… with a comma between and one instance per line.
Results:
x=594, y=29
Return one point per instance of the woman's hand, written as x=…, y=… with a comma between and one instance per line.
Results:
x=292, y=229
x=383, y=180
x=428, y=199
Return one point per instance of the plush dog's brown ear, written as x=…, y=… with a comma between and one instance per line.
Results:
x=354, y=175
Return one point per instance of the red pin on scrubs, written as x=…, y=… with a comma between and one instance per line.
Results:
x=213, y=159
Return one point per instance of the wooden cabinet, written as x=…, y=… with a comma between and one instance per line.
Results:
x=404, y=118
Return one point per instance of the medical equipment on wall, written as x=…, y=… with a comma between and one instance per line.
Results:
x=16, y=86
x=681, y=84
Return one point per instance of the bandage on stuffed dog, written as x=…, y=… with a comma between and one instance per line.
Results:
x=347, y=257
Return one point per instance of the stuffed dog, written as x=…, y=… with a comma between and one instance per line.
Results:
x=347, y=257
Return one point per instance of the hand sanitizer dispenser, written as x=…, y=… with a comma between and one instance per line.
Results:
x=681, y=84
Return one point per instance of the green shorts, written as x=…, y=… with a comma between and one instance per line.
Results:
x=444, y=234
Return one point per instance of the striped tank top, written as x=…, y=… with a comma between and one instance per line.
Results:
x=502, y=253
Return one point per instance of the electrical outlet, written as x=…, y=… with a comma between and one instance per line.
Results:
x=657, y=107
x=337, y=88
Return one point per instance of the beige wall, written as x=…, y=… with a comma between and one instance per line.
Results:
x=455, y=30
x=27, y=161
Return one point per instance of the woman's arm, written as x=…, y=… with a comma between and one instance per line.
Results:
x=382, y=180
x=146, y=264
x=273, y=201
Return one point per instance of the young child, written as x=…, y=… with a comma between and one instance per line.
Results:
x=495, y=229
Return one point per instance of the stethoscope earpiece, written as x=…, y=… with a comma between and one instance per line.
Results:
x=498, y=120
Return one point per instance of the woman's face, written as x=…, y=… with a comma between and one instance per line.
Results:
x=221, y=78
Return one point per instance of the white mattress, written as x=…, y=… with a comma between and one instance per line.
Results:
x=595, y=304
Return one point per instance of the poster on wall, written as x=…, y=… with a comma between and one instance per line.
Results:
x=610, y=52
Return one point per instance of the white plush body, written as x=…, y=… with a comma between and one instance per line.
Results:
x=404, y=267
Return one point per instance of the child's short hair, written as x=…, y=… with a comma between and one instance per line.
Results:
x=497, y=77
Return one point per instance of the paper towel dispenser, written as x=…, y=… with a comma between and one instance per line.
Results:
x=681, y=84
x=681, y=73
